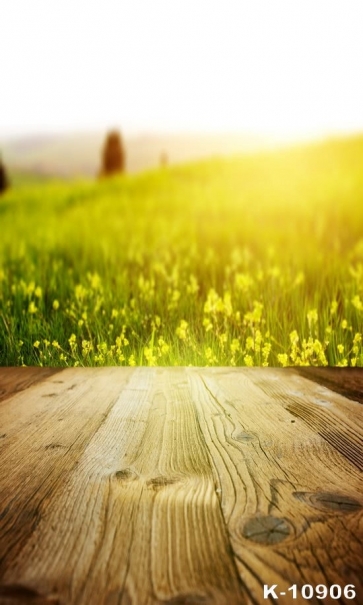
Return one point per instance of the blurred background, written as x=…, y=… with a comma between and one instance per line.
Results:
x=231, y=231
x=188, y=79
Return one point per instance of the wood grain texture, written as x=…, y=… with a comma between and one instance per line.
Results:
x=346, y=381
x=292, y=503
x=13, y=380
x=130, y=519
x=178, y=486
x=47, y=429
x=334, y=417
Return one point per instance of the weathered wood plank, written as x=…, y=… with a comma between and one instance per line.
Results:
x=13, y=380
x=135, y=518
x=46, y=429
x=292, y=503
x=346, y=381
x=330, y=415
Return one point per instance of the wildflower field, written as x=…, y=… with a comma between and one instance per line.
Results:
x=252, y=260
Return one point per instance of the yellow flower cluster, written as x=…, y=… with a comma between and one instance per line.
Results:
x=232, y=327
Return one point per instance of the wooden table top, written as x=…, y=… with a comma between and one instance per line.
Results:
x=174, y=486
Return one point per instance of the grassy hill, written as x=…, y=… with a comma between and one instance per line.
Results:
x=79, y=154
x=253, y=260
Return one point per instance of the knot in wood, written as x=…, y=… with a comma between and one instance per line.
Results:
x=158, y=482
x=266, y=529
x=329, y=501
x=126, y=474
x=245, y=437
x=336, y=502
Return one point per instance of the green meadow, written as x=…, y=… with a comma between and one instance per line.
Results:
x=251, y=260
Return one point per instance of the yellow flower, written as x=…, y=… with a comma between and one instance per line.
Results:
x=31, y=287
x=181, y=330
x=235, y=345
x=163, y=346
x=266, y=349
x=211, y=358
x=249, y=343
x=192, y=287
x=283, y=359
x=333, y=307
x=342, y=364
x=86, y=347
x=80, y=292
x=150, y=357
x=294, y=337
x=357, y=303
x=243, y=281
x=211, y=304
x=102, y=347
x=248, y=361
x=222, y=338
x=207, y=324
x=55, y=305
x=312, y=317
x=94, y=280
x=254, y=316
x=36, y=344
x=357, y=338
x=174, y=299
x=32, y=308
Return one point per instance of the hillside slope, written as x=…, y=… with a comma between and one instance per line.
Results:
x=253, y=260
x=74, y=155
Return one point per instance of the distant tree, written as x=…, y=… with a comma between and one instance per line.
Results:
x=4, y=181
x=164, y=160
x=113, y=154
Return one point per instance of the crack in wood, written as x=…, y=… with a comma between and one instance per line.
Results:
x=26, y=596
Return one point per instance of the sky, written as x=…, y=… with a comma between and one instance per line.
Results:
x=283, y=68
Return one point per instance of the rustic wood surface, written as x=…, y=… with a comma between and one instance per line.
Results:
x=18, y=379
x=346, y=381
x=178, y=486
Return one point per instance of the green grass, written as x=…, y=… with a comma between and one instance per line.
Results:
x=245, y=261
